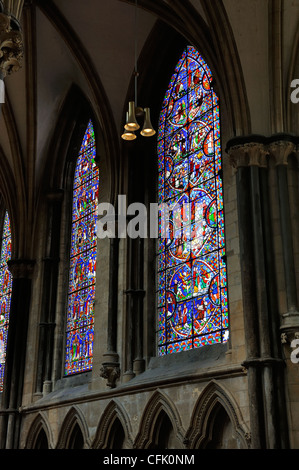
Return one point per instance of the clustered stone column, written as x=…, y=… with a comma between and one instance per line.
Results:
x=22, y=272
x=49, y=294
x=110, y=369
x=281, y=150
x=264, y=362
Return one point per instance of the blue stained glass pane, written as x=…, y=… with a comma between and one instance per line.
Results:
x=82, y=277
x=192, y=277
x=5, y=293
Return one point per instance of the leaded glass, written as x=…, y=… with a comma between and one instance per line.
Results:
x=82, y=278
x=191, y=269
x=5, y=293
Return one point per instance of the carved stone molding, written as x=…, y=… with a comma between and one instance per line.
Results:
x=157, y=403
x=11, y=47
x=211, y=398
x=113, y=412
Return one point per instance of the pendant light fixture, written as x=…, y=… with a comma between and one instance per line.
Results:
x=131, y=121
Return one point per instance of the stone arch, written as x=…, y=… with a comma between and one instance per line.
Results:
x=213, y=400
x=159, y=408
x=73, y=423
x=39, y=425
x=113, y=419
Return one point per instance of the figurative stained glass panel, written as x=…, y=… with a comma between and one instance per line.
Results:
x=191, y=269
x=5, y=293
x=82, y=278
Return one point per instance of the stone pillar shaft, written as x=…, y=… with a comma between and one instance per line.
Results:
x=22, y=271
x=268, y=420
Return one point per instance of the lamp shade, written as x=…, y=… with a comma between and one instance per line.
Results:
x=131, y=124
x=128, y=135
x=148, y=129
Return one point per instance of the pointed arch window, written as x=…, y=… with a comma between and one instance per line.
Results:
x=191, y=269
x=82, y=277
x=5, y=293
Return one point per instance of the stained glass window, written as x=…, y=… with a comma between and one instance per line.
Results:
x=82, y=279
x=5, y=293
x=191, y=269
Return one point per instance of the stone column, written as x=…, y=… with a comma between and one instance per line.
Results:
x=239, y=159
x=110, y=369
x=263, y=362
x=281, y=150
x=22, y=271
x=49, y=294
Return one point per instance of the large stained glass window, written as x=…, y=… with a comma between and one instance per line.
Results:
x=5, y=293
x=81, y=295
x=191, y=269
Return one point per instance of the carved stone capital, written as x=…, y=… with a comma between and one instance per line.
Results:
x=21, y=268
x=257, y=154
x=280, y=151
x=11, y=47
x=238, y=156
x=248, y=154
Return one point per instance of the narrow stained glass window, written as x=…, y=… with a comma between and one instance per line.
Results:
x=81, y=295
x=5, y=293
x=191, y=269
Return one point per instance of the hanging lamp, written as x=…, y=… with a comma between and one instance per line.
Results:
x=131, y=121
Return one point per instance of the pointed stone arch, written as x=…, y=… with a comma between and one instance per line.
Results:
x=213, y=399
x=73, y=422
x=114, y=415
x=158, y=405
x=39, y=425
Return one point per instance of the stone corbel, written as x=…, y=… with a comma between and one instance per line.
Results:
x=111, y=372
x=110, y=369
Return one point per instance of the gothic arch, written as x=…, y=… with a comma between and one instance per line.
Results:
x=158, y=403
x=40, y=424
x=212, y=399
x=113, y=413
x=214, y=39
x=73, y=420
x=102, y=106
